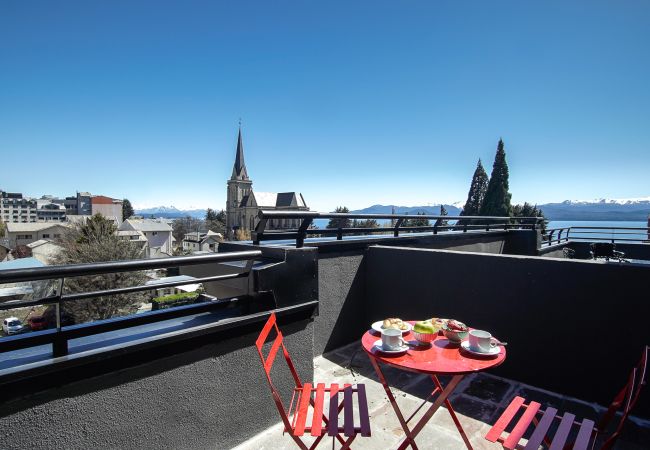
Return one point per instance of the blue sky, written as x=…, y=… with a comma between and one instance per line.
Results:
x=351, y=103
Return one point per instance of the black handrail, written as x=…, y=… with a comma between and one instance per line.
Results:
x=583, y=233
x=59, y=337
x=307, y=218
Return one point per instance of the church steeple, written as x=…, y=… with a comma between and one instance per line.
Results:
x=239, y=171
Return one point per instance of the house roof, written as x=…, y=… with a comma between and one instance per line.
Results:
x=103, y=200
x=144, y=225
x=14, y=227
x=40, y=242
x=276, y=199
x=21, y=263
x=81, y=218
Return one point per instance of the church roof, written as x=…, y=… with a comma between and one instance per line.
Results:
x=239, y=169
x=274, y=199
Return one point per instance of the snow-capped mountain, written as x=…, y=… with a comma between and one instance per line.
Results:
x=635, y=209
x=170, y=212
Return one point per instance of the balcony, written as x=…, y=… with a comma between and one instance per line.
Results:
x=174, y=375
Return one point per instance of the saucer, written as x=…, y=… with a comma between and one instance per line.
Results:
x=380, y=348
x=493, y=351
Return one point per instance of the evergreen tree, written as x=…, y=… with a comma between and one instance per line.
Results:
x=340, y=223
x=497, y=196
x=215, y=221
x=442, y=222
x=417, y=222
x=127, y=209
x=528, y=210
x=96, y=241
x=476, y=193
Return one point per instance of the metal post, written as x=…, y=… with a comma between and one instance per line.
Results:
x=60, y=344
x=302, y=232
x=398, y=223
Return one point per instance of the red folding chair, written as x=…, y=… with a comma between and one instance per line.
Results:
x=308, y=400
x=588, y=433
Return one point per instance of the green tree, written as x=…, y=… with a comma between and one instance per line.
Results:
x=3, y=227
x=476, y=194
x=364, y=223
x=127, y=209
x=528, y=210
x=184, y=225
x=95, y=241
x=94, y=229
x=497, y=196
x=442, y=222
x=215, y=221
x=342, y=222
x=417, y=222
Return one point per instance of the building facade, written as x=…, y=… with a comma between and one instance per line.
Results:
x=243, y=203
x=158, y=235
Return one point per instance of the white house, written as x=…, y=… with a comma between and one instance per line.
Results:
x=157, y=233
x=44, y=250
x=26, y=233
x=196, y=241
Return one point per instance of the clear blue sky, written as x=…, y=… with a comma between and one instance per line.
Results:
x=350, y=103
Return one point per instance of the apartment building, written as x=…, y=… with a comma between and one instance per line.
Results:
x=16, y=208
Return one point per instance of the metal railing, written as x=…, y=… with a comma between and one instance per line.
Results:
x=397, y=221
x=600, y=234
x=60, y=335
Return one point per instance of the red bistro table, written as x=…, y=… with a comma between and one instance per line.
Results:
x=441, y=358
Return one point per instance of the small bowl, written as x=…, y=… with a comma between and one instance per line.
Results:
x=455, y=336
x=424, y=338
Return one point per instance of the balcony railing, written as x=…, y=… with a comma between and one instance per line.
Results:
x=307, y=218
x=58, y=337
x=555, y=236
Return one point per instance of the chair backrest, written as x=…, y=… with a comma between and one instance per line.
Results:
x=603, y=249
x=268, y=360
x=626, y=399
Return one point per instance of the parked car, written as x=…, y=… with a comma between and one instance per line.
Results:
x=12, y=325
x=37, y=323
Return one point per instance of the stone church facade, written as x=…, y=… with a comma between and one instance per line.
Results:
x=243, y=203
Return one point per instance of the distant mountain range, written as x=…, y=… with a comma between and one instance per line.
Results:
x=170, y=212
x=600, y=209
x=636, y=209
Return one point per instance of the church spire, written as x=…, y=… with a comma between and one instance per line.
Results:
x=239, y=171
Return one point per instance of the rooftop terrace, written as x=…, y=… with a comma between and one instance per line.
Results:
x=479, y=400
x=190, y=376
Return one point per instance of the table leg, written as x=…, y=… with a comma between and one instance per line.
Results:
x=452, y=413
x=443, y=397
x=409, y=438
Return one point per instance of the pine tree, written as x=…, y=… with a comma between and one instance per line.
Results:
x=127, y=209
x=417, y=222
x=497, y=196
x=477, y=191
x=442, y=222
x=340, y=223
x=528, y=210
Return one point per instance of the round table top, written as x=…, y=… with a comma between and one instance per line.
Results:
x=441, y=357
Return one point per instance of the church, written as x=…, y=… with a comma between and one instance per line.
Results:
x=244, y=203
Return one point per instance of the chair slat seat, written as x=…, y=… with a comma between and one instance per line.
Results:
x=303, y=406
x=317, y=419
x=542, y=428
x=585, y=434
x=522, y=425
x=587, y=431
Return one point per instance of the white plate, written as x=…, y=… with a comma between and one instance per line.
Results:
x=377, y=327
x=380, y=348
x=493, y=351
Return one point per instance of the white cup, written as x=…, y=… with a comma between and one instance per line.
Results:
x=391, y=339
x=481, y=341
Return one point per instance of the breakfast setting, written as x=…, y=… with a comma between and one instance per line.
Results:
x=398, y=336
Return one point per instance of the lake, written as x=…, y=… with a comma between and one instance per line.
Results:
x=608, y=234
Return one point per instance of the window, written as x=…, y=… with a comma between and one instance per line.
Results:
x=57, y=236
x=46, y=236
x=154, y=233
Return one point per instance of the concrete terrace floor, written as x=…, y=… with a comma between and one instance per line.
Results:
x=478, y=401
